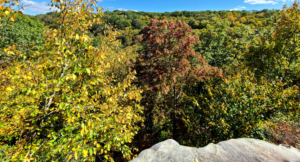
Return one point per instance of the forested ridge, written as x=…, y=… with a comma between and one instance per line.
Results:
x=130, y=23
x=84, y=84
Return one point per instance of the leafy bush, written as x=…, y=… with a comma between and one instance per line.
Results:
x=283, y=132
x=123, y=24
x=236, y=106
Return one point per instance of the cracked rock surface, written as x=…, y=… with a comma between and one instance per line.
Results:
x=234, y=150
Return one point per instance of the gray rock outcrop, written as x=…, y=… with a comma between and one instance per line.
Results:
x=234, y=150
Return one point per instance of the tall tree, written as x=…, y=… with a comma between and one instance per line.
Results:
x=165, y=68
x=67, y=104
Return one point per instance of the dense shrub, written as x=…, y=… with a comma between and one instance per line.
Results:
x=236, y=106
x=283, y=132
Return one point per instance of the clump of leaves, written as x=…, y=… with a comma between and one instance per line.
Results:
x=283, y=132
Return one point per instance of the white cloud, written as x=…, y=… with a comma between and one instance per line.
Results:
x=122, y=9
x=237, y=8
x=264, y=1
x=36, y=6
x=40, y=7
x=108, y=8
x=260, y=2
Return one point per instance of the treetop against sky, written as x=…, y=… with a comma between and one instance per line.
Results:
x=40, y=6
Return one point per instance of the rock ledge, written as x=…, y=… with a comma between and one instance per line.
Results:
x=234, y=150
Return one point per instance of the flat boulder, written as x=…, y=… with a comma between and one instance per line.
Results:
x=233, y=150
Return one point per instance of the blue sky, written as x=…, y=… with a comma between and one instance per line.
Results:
x=40, y=6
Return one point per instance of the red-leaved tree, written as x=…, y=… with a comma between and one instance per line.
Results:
x=166, y=66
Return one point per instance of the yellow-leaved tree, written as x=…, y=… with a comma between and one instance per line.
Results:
x=65, y=102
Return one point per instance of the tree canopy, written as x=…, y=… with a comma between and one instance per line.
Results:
x=79, y=84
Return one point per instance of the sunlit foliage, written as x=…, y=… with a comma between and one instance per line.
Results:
x=66, y=103
x=80, y=84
